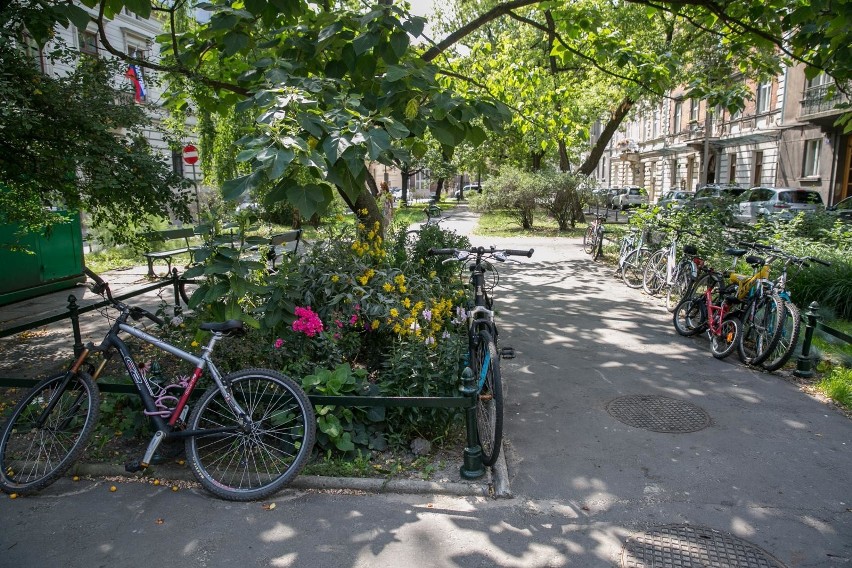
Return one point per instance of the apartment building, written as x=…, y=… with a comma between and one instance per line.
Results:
x=785, y=136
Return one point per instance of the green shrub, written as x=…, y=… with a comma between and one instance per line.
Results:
x=837, y=385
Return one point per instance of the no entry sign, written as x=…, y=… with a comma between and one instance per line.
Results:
x=190, y=154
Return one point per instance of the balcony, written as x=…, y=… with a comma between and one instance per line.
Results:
x=817, y=101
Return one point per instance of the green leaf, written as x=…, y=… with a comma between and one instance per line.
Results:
x=308, y=199
x=365, y=42
x=329, y=32
x=415, y=25
x=280, y=162
x=235, y=188
x=396, y=129
x=378, y=141
x=142, y=8
x=344, y=443
x=247, y=155
x=234, y=41
x=329, y=425
x=78, y=16
x=198, y=297
x=399, y=43
x=395, y=73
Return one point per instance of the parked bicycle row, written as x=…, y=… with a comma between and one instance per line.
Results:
x=748, y=310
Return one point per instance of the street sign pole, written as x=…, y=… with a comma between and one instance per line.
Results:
x=190, y=156
x=197, y=203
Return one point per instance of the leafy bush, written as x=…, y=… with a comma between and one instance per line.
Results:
x=515, y=191
x=564, y=201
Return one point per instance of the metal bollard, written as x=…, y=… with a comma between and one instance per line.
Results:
x=472, y=467
x=804, y=364
x=74, y=314
x=176, y=288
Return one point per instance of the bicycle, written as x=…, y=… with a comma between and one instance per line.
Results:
x=664, y=271
x=632, y=257
x=792, y=321
x=593, y=238
x=763, y=311
x=711, y=309
x=482, y=356
x=247, y=436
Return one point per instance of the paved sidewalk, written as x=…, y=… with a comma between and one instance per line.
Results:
x=751, y=465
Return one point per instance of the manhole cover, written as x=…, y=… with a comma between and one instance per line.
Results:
x=658, y=413
x=684, y=546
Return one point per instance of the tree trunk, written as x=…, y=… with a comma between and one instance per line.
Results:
x=365, y=201
x=439, y=189
x=536, y=161
x=612, y=125
x=564, y=165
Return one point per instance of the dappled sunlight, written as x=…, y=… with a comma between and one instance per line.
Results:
x=285, y=561
x=278, y=533
x=741, y=527
x=818, y=524
x=795, y=424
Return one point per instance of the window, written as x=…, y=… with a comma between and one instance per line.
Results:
x=88, y=42
x=764, y=94
x=655, y=124
x=32, y=51
x=674, y=173
x=177, y=162
x=732, y=167
x=818, y=81
x=693, y=110
x=811, y=159
x=678, y=114
x=136, y=73
x=758, y=167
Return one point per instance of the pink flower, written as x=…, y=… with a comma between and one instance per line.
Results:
x=353, y=320
x=278, y=343
x=308, y=323
x=338, y=323
x=336, y=336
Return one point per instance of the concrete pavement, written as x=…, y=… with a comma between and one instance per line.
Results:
x=764, y=472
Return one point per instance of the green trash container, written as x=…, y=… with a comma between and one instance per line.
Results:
x=53, y=262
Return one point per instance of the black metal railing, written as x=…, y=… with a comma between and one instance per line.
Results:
x=805, y=363
x=822, y=98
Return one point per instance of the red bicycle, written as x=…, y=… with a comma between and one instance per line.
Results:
x=709, y=307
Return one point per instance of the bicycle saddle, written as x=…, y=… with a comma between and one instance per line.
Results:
x=690, y=250
x=755, y=260
x=735, y=252
x=230, y=325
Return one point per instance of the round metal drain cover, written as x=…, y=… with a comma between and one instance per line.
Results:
x=684, y=546
x=658, y=413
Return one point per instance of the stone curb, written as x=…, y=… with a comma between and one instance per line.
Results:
x=371, y=485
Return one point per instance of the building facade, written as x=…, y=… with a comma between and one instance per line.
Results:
x=785, y=136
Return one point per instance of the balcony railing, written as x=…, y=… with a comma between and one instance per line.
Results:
x=815, y=101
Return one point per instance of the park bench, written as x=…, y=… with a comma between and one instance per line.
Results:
x=283, y=244
x=164, y=237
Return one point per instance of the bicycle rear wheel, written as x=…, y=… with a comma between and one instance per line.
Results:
x=789, y=339
x=47, y=431
x=690, y=316
x=633, y=268
x=654, y=275
x=679, y=287
x=485, y=364
x=246, y=463
x=762, y=327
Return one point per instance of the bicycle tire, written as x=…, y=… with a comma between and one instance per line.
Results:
x=789, y=339
x=589, y=240
x=247, y=466
x=761, y=329
x=654, y=274
x=680, y=285
x=485, y=364
x=633, y=268
x=32, y=457
x=725, y=343
x=690, y=317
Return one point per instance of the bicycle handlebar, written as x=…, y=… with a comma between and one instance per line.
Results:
x=480, y=250
x=778, y=252
x=138, y=313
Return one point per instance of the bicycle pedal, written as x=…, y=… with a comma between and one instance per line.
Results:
x=507, y=353
x=134, y=466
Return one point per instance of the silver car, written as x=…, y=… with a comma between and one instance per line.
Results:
x=777, y=202
x=675, y=199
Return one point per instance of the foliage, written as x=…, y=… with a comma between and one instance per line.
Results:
x=837, y=385
x=566, y=198
x=75, y=142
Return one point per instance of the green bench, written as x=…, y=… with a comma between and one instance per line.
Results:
x=164, y=237
x=283, y=243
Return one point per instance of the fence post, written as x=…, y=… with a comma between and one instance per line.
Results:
x=804, y=364
x=73, y=311
x=176, y=289
x=472, y=466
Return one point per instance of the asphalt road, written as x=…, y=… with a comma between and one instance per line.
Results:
x=766, y=470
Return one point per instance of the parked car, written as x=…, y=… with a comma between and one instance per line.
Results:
x=675, y=199
x=778, y=202
x=466, y=189
x=614, y=194
x=632, y=197
x=715, y=196
x=843, y=209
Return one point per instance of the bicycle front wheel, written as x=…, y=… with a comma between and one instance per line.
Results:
x=485, y=365
x=690, y=316
x=654, y=275
x=788, y=341
x=762, y=327
x=633, y=268
x=680, y=285
x=725, y=342
x=589, y=239
x=47, y=431
x=248, y=460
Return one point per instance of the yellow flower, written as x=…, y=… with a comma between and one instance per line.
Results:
x=402, y=288
x=361, y=226
x=394, y=312
x=335, y=278
x=363, y=280
x=194, y=344
x=363, y=212
x=375, y=324
x=397, y=328
x=388, y=287
x=338, y=218
x=407, y=302
x=399, y=279
x=433, y=274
